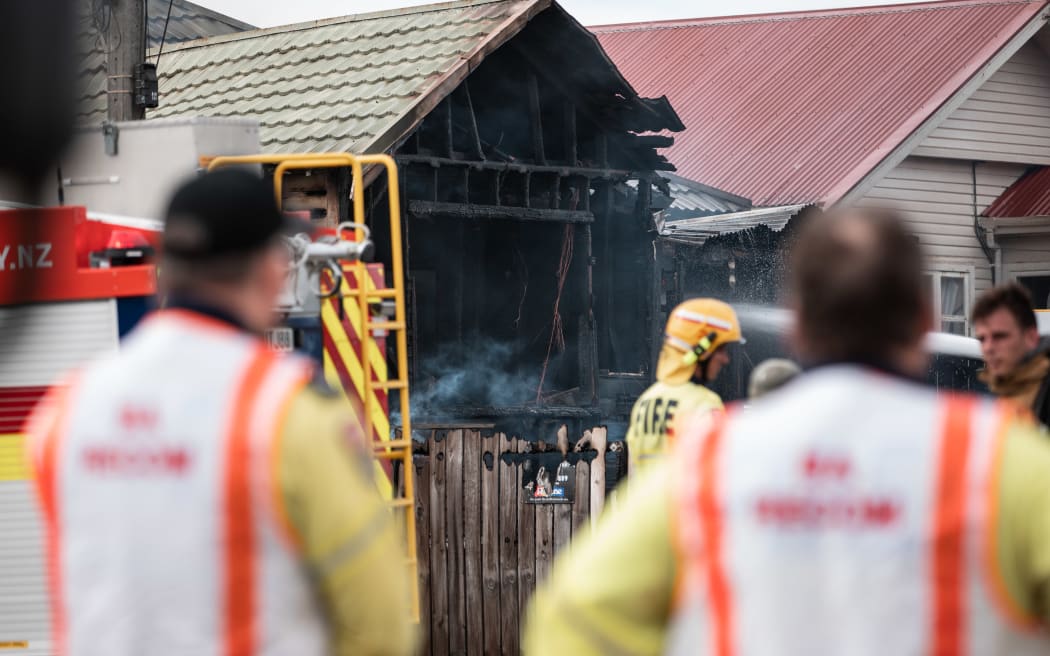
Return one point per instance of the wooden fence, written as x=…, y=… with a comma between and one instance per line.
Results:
x=482, y=548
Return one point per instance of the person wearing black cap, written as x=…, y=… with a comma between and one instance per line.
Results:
x=222, y=248
x=200, y=494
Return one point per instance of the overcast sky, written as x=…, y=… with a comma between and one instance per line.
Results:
x=267, y=13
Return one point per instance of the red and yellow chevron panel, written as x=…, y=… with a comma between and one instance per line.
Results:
x=342, y=328
x=15, y=405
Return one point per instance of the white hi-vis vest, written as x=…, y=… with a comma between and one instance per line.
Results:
x=848, y=514
x=165, y=526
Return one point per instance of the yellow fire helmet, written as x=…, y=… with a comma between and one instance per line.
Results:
x=695, y=329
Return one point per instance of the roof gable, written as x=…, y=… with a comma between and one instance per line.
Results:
x=343, y=84
x=799, y=108
x=1006, y=120
x=1028, y=197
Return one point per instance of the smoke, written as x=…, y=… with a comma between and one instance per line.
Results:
x=484, y=373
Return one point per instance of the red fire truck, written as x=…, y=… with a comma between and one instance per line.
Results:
x=72, y=283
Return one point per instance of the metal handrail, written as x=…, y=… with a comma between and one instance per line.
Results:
x=356, y=163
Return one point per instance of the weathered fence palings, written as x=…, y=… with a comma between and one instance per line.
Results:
x=482, y=548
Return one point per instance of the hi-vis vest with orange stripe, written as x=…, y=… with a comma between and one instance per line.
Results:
x=164, y=519
x=852, y=513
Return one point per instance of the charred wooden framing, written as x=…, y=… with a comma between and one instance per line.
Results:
x=528, y=233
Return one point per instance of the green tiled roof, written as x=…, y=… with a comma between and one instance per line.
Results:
x=355, y=83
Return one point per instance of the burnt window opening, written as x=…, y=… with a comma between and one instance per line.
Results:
x=622, y=281
x=486, y=293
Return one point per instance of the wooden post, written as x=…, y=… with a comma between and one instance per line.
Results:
x=599, y=438
x=457, y=607
x=570, y=133
x=562, y=512
x=536, y=119
x=603, y=150
x=458, y=284
x=526, y=541
x=439, y=547
x=472, y=121
x=126, y=43
x=474, y=603
x=581, y=509
x=490, y=544
x=421, y=464
x=447, y=132
x=544, y=541
x=509, y=510
x=591, y=345
x=562, y=526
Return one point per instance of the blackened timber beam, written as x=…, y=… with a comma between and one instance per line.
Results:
x=472, y=122
x=653, y=141
x=558, y=412
x=570, y=133
x=588, y=345
x=459, y=285
x=536, y=119
x=447, y=132
x=464, y=211
x=517, y=167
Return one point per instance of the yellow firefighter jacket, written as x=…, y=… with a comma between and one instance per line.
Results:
x=654, y=416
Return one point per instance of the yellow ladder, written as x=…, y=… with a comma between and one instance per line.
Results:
x=399, y=450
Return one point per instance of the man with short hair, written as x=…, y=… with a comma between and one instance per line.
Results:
x=201, y=495
x=856, y=511
x=1017, y=363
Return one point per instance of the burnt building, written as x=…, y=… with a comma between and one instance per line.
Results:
x=528, y=166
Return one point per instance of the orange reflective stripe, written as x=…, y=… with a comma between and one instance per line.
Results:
x=1011, y=611
x=240, y=563
x=686, y=525
x=718, y=593
x=52, y=426
x=947, y=572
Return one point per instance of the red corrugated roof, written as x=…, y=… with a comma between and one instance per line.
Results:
x=1029, y=196
x=799, y=107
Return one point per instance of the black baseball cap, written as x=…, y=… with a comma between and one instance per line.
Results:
x=229, y=211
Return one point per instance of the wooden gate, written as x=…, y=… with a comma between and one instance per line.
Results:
x=482, y=548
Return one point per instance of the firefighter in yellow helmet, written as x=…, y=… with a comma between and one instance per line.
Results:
x=694, y=352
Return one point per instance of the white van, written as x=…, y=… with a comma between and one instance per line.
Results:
x=954, y=363
x=1043, y=319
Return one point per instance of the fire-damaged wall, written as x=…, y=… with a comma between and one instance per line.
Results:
x=526, y=197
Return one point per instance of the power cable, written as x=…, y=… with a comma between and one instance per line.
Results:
x=164, y=35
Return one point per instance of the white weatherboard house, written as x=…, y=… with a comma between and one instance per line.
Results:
x=941, y=109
